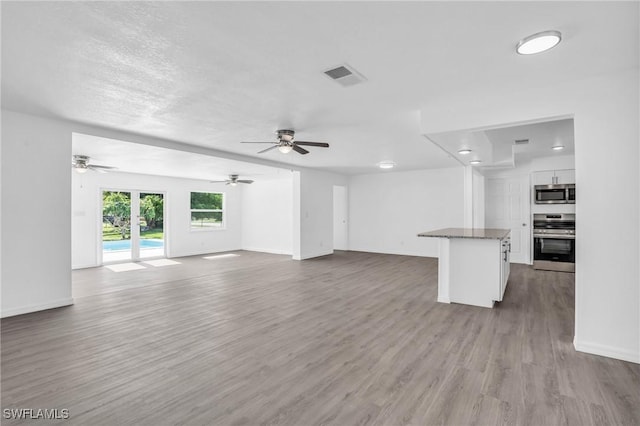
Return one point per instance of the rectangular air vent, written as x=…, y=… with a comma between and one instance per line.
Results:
x=522, y=141
x=339, y=72
x=345, y=75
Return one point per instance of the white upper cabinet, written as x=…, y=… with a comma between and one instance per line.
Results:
x=543, y=178
x=547, y=177
x=566, y=176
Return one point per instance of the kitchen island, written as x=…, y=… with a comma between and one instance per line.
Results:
x=473, y=264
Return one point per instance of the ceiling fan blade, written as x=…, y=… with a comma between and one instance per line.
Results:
x=268, y=149
x=218, y=181
x=244, y=181
x=258, y=142
x=296, y=148
x=321, y=144
x=100, y=169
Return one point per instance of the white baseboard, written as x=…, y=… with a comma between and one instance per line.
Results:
x=608, y=351
x=263, y=250
x=35, y=308
x=394, y=252
x=317, y=254
x=74, y=267
x=444, y=300
x=201, y=252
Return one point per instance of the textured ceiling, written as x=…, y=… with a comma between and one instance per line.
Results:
x=216, y=73
x=138, y=158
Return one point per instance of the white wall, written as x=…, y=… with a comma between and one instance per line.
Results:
x=36, y=212
x=388, y=210
x=267, y=215
x=313, y=212
x=181, y=240
x=606, y=118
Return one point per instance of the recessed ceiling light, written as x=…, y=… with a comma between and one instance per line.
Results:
x=538, y=42
x=386, y=164
x=475, y=161
x=557, y=147
x=464, y=151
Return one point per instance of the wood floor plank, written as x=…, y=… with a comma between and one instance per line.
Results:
x=350, y=339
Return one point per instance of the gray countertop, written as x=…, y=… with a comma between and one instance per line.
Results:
x=486, y=233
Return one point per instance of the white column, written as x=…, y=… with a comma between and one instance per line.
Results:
x=444, y=264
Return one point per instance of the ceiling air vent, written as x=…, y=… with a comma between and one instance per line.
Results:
x=522, y=141
x=345, y=75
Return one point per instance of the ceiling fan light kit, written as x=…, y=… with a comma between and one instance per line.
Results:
x=81, y=164
x=233, y=181
x=286, y=143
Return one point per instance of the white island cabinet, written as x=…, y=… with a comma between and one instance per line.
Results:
x=473, y=265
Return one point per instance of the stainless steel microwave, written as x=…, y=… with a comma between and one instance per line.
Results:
x=555, y=194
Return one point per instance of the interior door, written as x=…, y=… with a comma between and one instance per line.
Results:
x=508, y=207
x=340, y=212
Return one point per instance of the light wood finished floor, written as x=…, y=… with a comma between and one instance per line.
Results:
x=349, y=339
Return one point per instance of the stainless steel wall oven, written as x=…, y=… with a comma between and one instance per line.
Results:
x=554, y=238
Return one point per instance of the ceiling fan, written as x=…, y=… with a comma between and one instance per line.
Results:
x=81, y=164
x=286, y=143
x=233, y=180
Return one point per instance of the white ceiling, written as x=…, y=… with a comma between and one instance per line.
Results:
x=216, y=73
x=138, y=158
x=496, y=147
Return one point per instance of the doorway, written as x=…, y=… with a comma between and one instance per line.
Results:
x=340, y=215
x=508, y=207
x=132, y=226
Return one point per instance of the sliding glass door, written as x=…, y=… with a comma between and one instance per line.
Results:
x=132, y=225
x=151, y=225
x=116, y=226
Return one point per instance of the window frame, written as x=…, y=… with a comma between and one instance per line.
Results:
x=223, y=223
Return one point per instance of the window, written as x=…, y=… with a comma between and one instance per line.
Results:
x=207, y=210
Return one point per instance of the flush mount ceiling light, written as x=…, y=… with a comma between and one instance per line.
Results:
x=538, y=42
x=464, y=151
x=557, y=147
x=475, y=162
x=386, y=164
